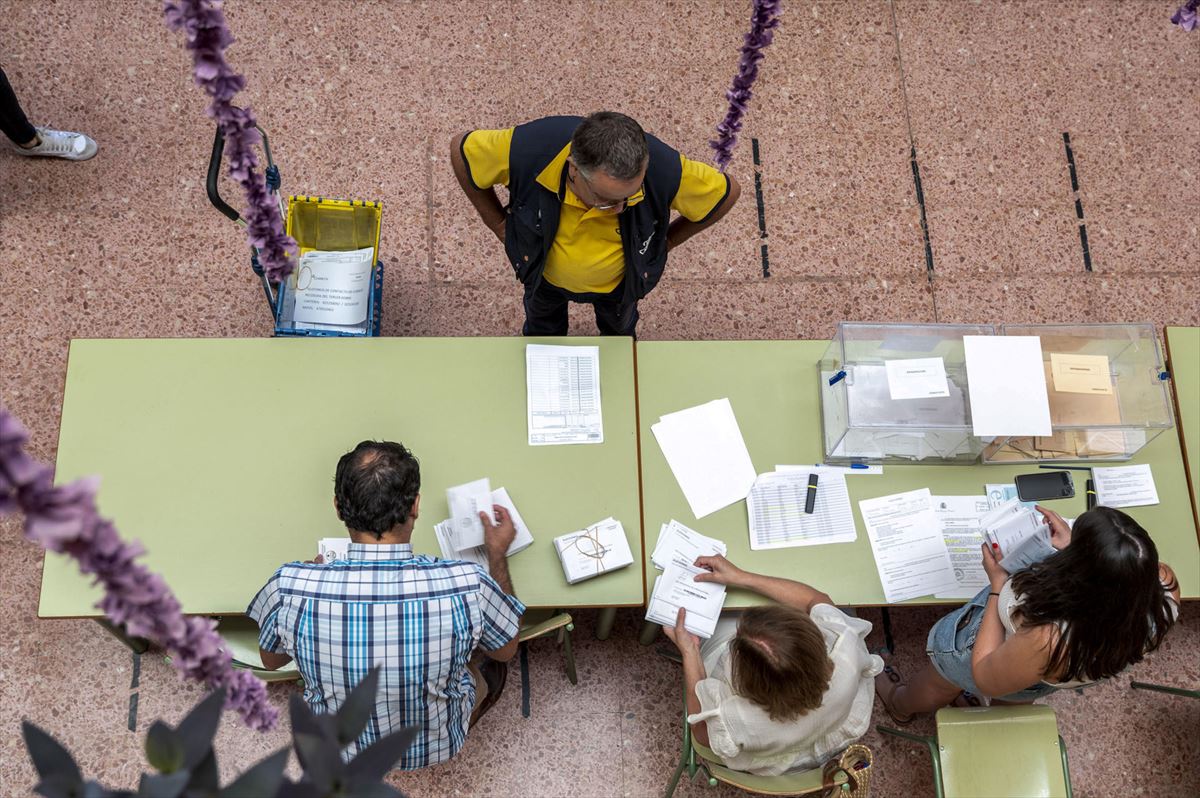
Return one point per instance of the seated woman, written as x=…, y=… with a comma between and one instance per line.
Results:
x=1093, y=607
x=781, y=687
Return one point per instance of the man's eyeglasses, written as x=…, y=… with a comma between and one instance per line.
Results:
x=604, y=204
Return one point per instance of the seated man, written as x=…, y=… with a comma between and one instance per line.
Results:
x=777, y=688
x=419, y=618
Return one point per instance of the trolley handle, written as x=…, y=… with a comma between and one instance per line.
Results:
x=214, y=172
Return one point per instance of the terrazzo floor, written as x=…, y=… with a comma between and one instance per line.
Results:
x=361, y=99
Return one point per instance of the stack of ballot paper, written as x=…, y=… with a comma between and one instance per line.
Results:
x=677, y=587
x=1020, y=534
x=478, y=554
x=706, y=452
x=600, y=548
x=776, y=509
x=678, y=544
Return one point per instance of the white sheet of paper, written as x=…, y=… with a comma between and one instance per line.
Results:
x=906, y=540
x=332, y=549
x=563, y=394
x=466, y=503
x=334, y=287
x=958, y=517
x=1007, y=384
x=681, y=545
x=1125, y=486
x=775, y=507
x=918, y=378
x=677, y=587
x=524, y=538
x=707, y=454
x=444, y=532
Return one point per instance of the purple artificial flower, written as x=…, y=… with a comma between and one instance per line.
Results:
x=64, y=519
x=1185, y=15
x=203, y=25
x=763, y=21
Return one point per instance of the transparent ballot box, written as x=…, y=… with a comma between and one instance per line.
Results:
x=1107, y=389
x=897, y=393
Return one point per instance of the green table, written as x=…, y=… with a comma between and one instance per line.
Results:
x=772, y=386
x=219, y=455
x=1183, y=359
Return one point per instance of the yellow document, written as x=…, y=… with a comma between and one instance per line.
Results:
x=1080, y=373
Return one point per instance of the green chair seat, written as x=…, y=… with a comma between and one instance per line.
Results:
x=241, y=641
x=987, y=753
x=799, y=783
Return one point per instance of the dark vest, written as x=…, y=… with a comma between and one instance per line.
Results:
x=533, y=211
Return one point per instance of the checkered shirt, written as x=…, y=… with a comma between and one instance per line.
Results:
x=417, y=617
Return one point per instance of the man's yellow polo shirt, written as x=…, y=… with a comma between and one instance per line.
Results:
x=586, y=256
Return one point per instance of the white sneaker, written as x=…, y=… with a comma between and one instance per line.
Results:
x=60, y=144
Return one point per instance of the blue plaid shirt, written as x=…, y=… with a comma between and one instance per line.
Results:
x=418, y=617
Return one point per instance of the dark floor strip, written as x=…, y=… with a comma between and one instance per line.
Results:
x=137, y=671
x=1083, y=239
x=916, y=170
x=133, y=702
x=762, y=211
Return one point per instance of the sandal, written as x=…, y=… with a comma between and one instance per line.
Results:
x=966, y=700
x=886, y=690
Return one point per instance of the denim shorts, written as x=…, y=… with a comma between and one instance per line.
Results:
x=951, y=641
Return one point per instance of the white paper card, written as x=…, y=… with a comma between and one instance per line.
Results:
x=334, y=287
x=677, y=587
x=1007, y=385
x=524, y=538
x=466, y=503
x=1125, y=486
x=563, y=394
x=444, y=532
x=918, y=378
x=958, y=518
x=333, y=549
x=910, y=553
x=600, y=548
x=706, y=452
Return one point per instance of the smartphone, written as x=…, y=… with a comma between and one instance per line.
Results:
x=1045, y=485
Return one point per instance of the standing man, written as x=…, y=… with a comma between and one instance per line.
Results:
x=589, y=212
x=421, y=619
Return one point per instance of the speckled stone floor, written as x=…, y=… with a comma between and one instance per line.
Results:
x=361, y=99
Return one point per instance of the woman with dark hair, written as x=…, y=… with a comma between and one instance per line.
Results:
x=1097, y=605
x=780, y=687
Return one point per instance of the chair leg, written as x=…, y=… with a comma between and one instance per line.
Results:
x=1062, y=749
x=931, y=744
x=569, y=653
x=1159, y=688
x=685, y=757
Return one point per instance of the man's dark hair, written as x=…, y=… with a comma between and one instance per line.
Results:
x=1103, y=591
x=610, y=142
x=375, y=486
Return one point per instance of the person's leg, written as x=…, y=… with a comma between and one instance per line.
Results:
x=12, y=118
x=481, y=691
x=545, y=310
x=928, y=691
x=490, y=677
x=613, y=317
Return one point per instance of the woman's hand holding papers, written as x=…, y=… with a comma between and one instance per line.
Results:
x=721, y=571
x=685, y=641
x=997, y=576
x=1060, y=532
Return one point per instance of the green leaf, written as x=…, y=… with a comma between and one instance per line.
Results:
x=373, y=762
x=320, y=759
x=58, y=785
x=205, y=778
x=305, y=722
x=156, y=785
x=262, y=780
x=164, y=750
x=49, y=757
x=356, y=710
x=196, y=731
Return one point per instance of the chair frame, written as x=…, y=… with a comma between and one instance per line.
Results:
x=931, y=743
